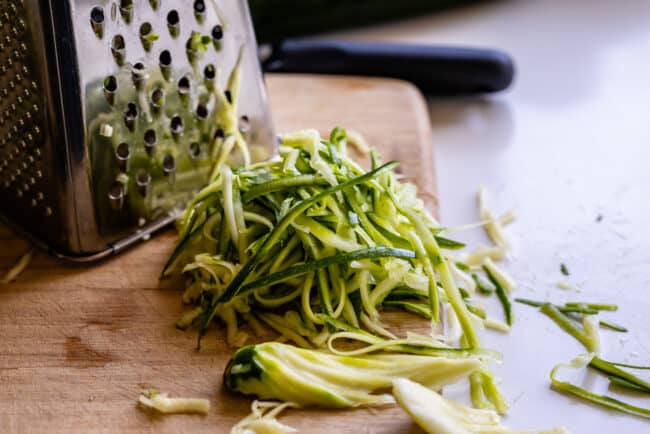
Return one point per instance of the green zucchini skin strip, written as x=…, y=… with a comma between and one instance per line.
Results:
x=342, y=258
x=417, y=308
x=502, y=295
x=595, y=306
x=577, y=308
x=563, y=309
x=621, y=382
x=282, y=184
x=567, y=325
x=446, y=243
x=274, y=236
x=613, y=326
x=612, y=369
x=625, y=365
x=603, y=400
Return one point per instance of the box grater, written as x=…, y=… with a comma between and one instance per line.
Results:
x=112, y=112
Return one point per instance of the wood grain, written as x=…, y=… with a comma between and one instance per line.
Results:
x=78, y=343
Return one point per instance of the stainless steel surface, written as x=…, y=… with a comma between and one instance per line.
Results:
x=108, y=112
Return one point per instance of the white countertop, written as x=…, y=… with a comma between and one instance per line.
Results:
x=569, y=142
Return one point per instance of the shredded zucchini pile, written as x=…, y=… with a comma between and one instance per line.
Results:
x=310, y=244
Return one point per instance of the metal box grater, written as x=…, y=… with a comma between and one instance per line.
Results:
x=109, y=117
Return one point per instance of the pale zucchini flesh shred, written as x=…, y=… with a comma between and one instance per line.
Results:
x=263, y=419
x=437, y=415
x=162, y=403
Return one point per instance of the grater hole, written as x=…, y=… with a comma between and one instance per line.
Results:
x=228, y=96
x=173, y=18
x=184, y=87
x=199, y=10
x=142, y=178
x=126, y=10
x=145, y=29
x=173, y=22
x=157, y=99
x=116, y=196
x=150, y=141
x=110, y=88
x=97, y=20
x=154, y=4
x=217, y=33
x=195, y=150
x=122, y=154
x=118, y=47
x=202, y=112
x=97, y=15
x=130, y=115
x=209, y=75
x=142, y=181
x=147, y=36
x=176, y=125
x=138, y=74
x=219, y=134
x=199, y=6
x=118, y=42
x=165, y=62
x=169, y=165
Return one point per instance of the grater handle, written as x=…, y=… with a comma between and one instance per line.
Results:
x=438, y=70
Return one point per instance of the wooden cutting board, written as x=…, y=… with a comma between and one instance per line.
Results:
x=78, y=343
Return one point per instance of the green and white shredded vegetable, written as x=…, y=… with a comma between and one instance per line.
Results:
x=314, y=378
x=162, y=403
x=602, y=400
x=437, y=415
x=310, y=243
x=263, y=419
x=315, y=247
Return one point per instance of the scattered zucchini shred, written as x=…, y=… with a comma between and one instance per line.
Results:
x=437, y=415
x=162, y=403
x=314, y=378
x=15, y=271
x=602, y=400
x=262, y=419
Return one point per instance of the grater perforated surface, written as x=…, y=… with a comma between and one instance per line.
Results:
x=112, y=112
x=24, y=159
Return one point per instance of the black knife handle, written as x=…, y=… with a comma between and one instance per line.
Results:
x=440, y=70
